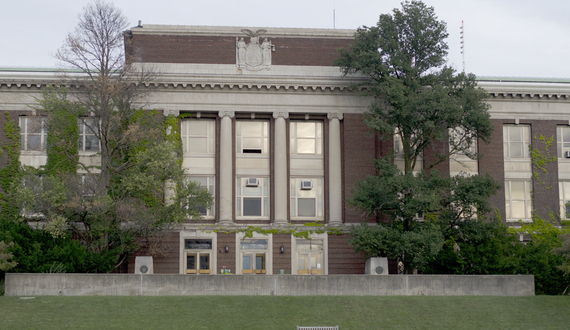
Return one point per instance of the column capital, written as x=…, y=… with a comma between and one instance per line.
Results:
x=167, y=113
x=334, y=115
x=223, y=114
x=278, y=114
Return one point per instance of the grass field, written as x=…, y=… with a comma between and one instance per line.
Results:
x=257, y=312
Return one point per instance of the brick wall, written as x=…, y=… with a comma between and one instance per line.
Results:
x=165, y=252
x=281, y=260
x=342, y=258
x=491, y=163
x=358, y=146
x=227, y=260
x=222, y=50
x=546, y=195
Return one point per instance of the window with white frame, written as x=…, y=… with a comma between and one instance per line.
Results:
x=198, y=256
x=198, y=136
x=563, y=142
x=209, y=183
x=253, y=256
x=307, y=198
x=252, y=137
x=306, y=138
x=518, y=202
x=516, y=139
x=33, y=133
x=252, y=197
x=88, y=131
x=564, y=193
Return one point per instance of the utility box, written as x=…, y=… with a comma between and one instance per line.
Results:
x=376, y=266
x=143, y=265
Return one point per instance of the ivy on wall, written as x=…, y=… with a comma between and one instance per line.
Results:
x=9, y=163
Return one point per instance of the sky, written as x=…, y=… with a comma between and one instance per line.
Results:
x=503, y=38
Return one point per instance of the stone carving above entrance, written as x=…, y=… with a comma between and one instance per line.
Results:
x=253, y=56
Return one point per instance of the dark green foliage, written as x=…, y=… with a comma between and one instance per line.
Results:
x=36, y=251
x=418, y=100
x=9, y=164
x=413, y=95
x=63, y=131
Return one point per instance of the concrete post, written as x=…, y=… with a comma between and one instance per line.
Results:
x=226, y=168
x=280, y=167
x=335, y=170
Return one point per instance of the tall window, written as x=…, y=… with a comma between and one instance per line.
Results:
x=88, y=131
x=198, y=136
x=252, y=197
x=210, y=184
x=33, y=133
x=307, y=198
x=252, y=137
x=198, y=253
x=306, y=138
x=516, y=139
x=563, y=141
x=517, y=198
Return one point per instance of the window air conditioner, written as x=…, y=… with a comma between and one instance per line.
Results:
x=306, y=185
x=567, y=154
x=252, y=182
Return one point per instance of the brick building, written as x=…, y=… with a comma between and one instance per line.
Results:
x=271, y=128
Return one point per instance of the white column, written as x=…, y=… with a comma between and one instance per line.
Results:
x=335, y=170
x=226, y=167
x=280, y=167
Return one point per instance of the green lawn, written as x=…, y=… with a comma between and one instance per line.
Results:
x=257, y=312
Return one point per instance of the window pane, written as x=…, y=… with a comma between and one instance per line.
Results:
x=306, y=146
x=252, y=206
x=196, y=127
x=516, y=149
x=515, y=133
x=191, y=262
x=306, y=207
x=260, y=261
x=91, y=143
x=198, y=244
x=251, y=129
x=252, y=143
x=517, y=190
x=197, y=145
x=246, y=262
x=306, y=130
x=518, y=210
x=204, y=261
x=254, y=244
x=252, y=191
x=566, y=134
x=34, y=142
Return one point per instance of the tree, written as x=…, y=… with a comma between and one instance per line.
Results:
x=110, y=87
x=418, y=100
x=413, y=95
x=131, y=185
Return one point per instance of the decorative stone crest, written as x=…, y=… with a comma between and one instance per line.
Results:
x=253, y=56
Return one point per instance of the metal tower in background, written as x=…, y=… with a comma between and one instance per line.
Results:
x=462, y=46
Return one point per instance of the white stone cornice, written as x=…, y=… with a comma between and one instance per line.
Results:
x=223, y=114
x=167, y=113
x=334, y=115
x=278, y=114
